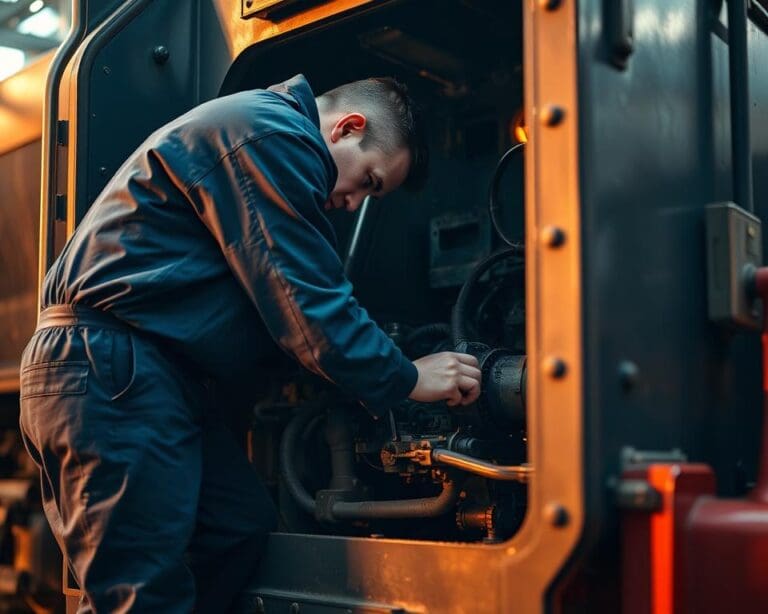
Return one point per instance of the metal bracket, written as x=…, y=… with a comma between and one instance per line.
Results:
x=619, y=28
x=637, y=495
x=633, y=457
x=262, y=8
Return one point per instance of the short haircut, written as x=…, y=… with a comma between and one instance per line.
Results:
x=394, y=120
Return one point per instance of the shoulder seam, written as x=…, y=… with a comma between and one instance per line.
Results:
x=224, y=156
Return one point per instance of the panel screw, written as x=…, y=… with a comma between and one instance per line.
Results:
x=106, y=69
x=628, y=374
x=552, y=115
x=556, y=514
x=555, y=367
x=102, y=170
x=160, y=54
x=553, y=236
x=294, y=608
x=550, y=5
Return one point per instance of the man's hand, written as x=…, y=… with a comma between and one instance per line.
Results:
x=447, y=376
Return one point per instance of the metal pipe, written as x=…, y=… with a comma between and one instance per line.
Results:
x=428, y=507
x=357, y=232
x=520, y=473
x=741, y=148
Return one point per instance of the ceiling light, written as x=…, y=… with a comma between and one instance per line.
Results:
x=11, y=61
x=44, y=24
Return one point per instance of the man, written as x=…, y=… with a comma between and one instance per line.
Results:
x=209, y=240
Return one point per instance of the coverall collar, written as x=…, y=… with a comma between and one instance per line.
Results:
x=298, y=88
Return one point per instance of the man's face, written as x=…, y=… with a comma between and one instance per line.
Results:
x=362, y=172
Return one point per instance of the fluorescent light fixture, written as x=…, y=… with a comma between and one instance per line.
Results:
x=11, y=61
x=44, y=24
x=36, y=6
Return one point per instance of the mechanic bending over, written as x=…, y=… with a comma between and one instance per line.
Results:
x=209, y=242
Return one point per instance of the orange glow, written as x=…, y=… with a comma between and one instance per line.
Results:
x=518, y=129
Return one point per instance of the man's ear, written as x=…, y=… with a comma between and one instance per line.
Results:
x=349, y=124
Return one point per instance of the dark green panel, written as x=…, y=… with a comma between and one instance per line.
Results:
x=655, y=150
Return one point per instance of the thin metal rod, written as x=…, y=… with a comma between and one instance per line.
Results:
x=738, y=65
x=354, y=243
x=519, y=473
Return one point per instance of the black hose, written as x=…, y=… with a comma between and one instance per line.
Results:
x=287, y=451
x=493, y=199
x=459, y=330
x=438, y=329
x=428, y=507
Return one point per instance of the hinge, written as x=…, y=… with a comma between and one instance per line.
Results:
x=61, y=207
x=62, y=132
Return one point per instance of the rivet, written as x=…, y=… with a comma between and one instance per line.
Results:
x=102, y=170
x=107, y=70
x=555, y=367
x=160, y=54
x=294, y=608
x=550, y=5
x=556, y=515
x=628, y=374
x=552, y=115
x=553, y=236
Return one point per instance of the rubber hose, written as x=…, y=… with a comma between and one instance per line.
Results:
x=287, y=471
x=459, y=330
x=428, y=507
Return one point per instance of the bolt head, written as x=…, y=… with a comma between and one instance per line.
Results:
x=552, y=115
x=160, y=54
x=628, y=374
x=556, y=515
x=555, y=367
x=553, y=236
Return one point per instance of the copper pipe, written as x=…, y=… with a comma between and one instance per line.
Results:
x=520, y=473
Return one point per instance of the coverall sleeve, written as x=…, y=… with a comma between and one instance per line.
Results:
x=263, y=202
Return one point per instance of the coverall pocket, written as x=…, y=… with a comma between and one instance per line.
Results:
x=123, y=364
x=54, y=378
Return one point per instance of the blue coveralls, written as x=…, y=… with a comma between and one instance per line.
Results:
x=209, y=243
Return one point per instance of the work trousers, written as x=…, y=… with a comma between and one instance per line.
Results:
x=152, y=502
